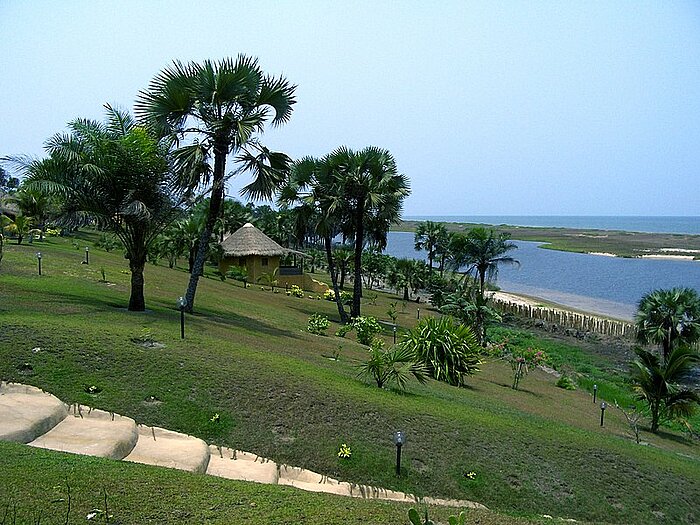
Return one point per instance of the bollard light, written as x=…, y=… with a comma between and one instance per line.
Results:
x=595, y=393
x=399, y=440
x=87, y=255
x=181, y=303
x=38, y=258
x=394, y=334
x=603, y=406
x=418, y=313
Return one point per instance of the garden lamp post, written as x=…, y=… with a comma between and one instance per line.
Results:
x=595, y=393
x=181, y=303
x=394, y=334
x=87, y=255
x=603, y=406
x=399, y=440
x=38, y=258
x=418, y=314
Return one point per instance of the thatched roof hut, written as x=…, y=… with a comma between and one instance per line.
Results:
x=248, y=240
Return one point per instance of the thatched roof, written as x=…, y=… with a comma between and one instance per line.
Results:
x=7, y=207
x=248, y=240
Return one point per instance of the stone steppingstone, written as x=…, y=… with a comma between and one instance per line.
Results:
x=228, y=463
x=27, y=412
x=165, y=448
x=92, y=432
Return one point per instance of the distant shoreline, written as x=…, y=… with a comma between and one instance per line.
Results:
x=610, y=243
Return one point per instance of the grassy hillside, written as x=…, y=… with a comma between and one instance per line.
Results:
x=248, y=357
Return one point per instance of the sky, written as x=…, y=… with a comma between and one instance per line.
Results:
x=490, y=108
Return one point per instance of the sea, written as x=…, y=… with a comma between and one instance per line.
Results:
x=610, y=286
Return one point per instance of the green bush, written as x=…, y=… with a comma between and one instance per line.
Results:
x=366, y=328
x=566, y=383
x=449, y=351
x=295, y=291
x=393, y=365
x=318, y=324
x=107, y=242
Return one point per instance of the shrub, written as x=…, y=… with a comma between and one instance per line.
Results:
x=345, y=297
x=107, y=242
x=520, y=361
x=393, y=365
x=566, y=383
x=329, y=295
x=366, y=328
x=449, y=351
x=295, y=291
x=318, y=324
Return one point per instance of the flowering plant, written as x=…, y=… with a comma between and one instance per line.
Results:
x=344, y=452
x=521, y=360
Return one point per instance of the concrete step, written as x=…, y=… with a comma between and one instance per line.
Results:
x=234, y=464
x=92, y=432
x=165, y=448
x=27, y=412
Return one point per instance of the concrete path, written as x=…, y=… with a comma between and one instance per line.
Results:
x=29, y=415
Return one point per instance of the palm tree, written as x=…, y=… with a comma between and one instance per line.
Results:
x=20, y=226
x=663, y=384
x=343, y=255
x=407, y=274
x=35, y=204
x=669, y=318
x=222, y=107
x=117, y=175
x=481, y=251
x=430, y=236
x=372, y=192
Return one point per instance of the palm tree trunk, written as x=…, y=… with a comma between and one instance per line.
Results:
x=405, y=293
x=137, y=301
x=220, y=152
x=334, y=280
x=359, y=241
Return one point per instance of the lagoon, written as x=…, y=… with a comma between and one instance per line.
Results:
x=610, y=286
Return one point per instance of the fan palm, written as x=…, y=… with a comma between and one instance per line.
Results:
x=430, y=236
x=669, y=318
x=221, y=107
x=662, y=384
x=407, y=274
x=117, y=175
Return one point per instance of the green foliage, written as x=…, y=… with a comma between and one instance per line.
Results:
x=664, y=385
x=449, y=351
x=295, y=291
x=470, y=306
x=407, y=275
x=394, y=365
x=566, y=383
x=318, y=324
x=521, y=360
x=107, y=242
x=366, y=328
x=237, y=273
x=415, y=519
x=391, y=312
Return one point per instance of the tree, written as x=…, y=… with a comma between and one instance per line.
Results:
x=430, y=236
x=117, y=175
x=8, y=183
x=669, y=318
x=407, y=274
x=35, y=204
x=222, y=106
x=20, y=226
x=663, y=384
x=343, y=256
x=482, y=252
x=468, y=306
x=372, y=191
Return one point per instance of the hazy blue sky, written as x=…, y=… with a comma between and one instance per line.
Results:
x=561, y=108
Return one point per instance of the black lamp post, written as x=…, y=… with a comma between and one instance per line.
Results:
x=595, y=393
x=603, y=406
x=181, y=303
x=399, y=440
x=38, y=258
x=87, y=255
x=418, y=314
x=394, y=334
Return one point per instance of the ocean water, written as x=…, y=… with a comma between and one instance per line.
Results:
x=626, y=223
x=609, y=286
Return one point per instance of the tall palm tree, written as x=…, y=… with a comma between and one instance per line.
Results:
x=669, y=318
x=663, y=384
x=313, y=188
x=429, y=236
x=117, y=175
x=481, y=251
x=372, y=192
x=220, y=107
x=407, y=274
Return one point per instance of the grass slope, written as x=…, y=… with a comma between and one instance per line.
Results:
x=248, y=358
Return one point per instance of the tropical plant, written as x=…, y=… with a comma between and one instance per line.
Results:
x=117, y=175
x=222, y=106
x=669, y=318
x=430, y=236
x=470, y=307
x=238, y=273
x=318, y=324
x=343, y=256
x=521, y=360
x=8, y=183
x=407, y=274
x=663, y=383
x=35, y=204
x=269, y=278
x=374, y=266
x=394, y=365
x=449, y=351
x=21, y=226
x=415, y=518
x=481, y=251
x=106, y=242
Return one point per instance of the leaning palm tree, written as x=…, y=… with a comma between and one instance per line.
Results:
x=663, y=384
x=220, y=107
x=372, y=192
x=669, y=318
x=481, y=251
x=115, y=175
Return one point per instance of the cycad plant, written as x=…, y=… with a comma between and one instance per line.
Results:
x=394, y=365
x=450, y=351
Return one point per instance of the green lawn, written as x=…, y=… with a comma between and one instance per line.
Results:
x=248, y=357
